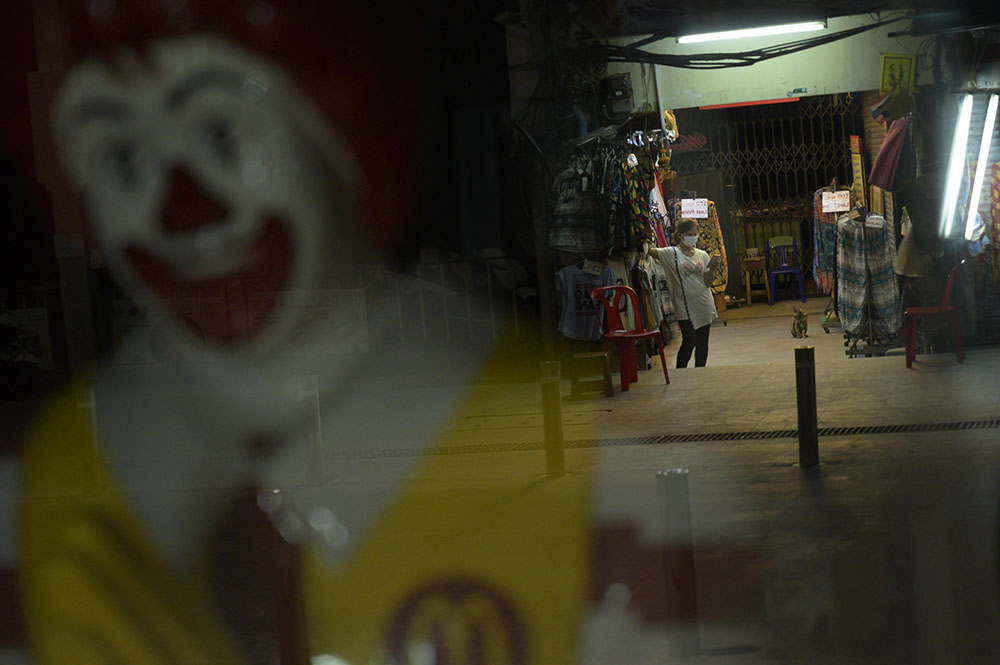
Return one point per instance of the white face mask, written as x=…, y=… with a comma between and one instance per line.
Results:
x=690, y=241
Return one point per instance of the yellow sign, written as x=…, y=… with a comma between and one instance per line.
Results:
x=897, y=72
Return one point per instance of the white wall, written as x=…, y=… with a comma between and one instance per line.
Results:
x=848, y=65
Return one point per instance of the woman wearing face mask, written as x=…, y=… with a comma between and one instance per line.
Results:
x=689, y=272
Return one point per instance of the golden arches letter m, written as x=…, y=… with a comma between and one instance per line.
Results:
x=458, y=621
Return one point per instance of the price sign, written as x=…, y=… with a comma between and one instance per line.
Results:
x=694, y=208
x=837, y=201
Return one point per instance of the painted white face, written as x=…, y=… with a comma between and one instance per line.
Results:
x=207, y=174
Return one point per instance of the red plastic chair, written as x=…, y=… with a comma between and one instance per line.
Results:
x=947, y=307
x=625, y=339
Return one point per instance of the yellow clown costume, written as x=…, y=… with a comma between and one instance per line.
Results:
x=478, y=558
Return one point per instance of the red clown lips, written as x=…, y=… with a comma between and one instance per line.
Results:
x=228, y=308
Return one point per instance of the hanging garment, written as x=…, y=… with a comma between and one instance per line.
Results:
x=867, y=292
x=710, y=240
x=663, y=294
x=658, y=214
x=886, y=164
x=907, y=258
x=993, y=228
x=574, y=225
x=824, y=244
x=637, y=231
x=579, y=319
x=649, y=306
x=620, y=267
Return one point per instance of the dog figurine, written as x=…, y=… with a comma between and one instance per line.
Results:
x=800, y=323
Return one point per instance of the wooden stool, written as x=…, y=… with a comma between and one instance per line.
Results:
x=594, y=364
x=752, y=265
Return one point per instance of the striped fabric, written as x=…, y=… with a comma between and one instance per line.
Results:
x=866, y=288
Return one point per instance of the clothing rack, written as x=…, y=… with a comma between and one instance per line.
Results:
x=831, y=314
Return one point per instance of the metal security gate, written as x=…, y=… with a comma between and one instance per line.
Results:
x=773, y=158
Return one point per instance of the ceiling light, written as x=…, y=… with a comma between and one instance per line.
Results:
x=808, y=26
x=984, y=155
x=956, y=164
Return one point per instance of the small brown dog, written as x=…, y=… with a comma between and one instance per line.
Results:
x=800, y=323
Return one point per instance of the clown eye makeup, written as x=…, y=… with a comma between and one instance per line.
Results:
x=220, y=139
x=121, y=160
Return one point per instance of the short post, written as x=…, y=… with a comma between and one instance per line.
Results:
x=805, y=389
x=314, y=440
x=555, y=463
x=678, y=563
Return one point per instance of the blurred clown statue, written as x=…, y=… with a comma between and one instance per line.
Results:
x=249, y=155
x=273, y=486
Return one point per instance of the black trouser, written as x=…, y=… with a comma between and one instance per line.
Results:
x=693, y=340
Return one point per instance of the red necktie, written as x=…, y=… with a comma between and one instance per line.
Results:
x=257, y=584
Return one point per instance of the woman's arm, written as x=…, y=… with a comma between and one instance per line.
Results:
x=659, y=253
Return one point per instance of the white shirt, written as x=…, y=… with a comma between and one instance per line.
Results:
x=686, y=283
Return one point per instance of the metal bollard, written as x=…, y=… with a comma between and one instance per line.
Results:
x=805, y=389
x=678, y=563
x=555, y=462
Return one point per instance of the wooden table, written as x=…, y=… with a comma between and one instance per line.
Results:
x=752, y=266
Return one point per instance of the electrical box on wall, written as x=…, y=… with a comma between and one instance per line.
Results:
x=618, y=89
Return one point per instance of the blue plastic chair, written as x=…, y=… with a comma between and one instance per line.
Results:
x=784, y=261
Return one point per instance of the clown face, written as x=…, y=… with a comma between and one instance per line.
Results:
x=207, y=175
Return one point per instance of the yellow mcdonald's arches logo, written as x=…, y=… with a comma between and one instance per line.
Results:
x=458, y=622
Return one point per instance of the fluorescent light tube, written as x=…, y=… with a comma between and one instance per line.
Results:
x=808, y=26
x=956, y=164
x=984, y=155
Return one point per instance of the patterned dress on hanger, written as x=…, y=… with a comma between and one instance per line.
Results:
x=710, y=240
x=993, y=229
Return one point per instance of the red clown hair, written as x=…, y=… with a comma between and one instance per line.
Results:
x=366, y=72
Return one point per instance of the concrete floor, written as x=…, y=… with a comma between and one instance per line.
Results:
x=885, y=553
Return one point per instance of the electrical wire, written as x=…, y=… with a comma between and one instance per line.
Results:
x=631, y=53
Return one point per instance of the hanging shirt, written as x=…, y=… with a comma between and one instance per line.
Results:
x=620, y=266
x=658, y=214
x=685, y=279
x=579, y=319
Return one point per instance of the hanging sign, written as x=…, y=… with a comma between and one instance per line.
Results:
x=859, y=179
x=696, y=142
x=837, y=201
x=694, y=208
